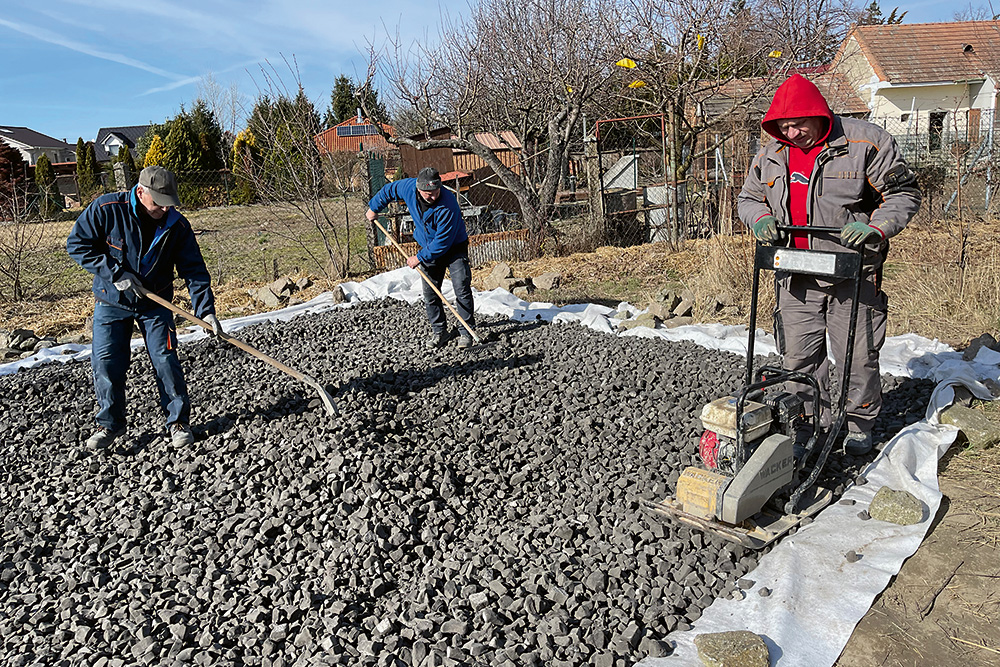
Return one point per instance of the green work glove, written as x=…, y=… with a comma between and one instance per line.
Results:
x=766, y=229
x=856, y=234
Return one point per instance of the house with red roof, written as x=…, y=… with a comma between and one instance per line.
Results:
x=354, y=135
x=925, y=78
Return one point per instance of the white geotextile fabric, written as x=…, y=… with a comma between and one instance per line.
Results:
x=817, y=597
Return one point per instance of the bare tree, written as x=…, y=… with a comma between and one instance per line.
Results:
x=710, y=69
x=983, y=12
x=227, y=104
x=284, y=169
x=20, y=233
x=809, y=30
x=704, y=66
x=531, y=67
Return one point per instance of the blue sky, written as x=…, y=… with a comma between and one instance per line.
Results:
x=74, y=66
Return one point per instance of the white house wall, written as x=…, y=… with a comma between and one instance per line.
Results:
x=985, y=96
x=858, y=71
x=886, y=101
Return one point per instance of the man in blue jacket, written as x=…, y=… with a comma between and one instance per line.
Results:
x=440, y=231
x=136, y=239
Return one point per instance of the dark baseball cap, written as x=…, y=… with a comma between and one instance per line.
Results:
x=428, y=179
x=160, y=184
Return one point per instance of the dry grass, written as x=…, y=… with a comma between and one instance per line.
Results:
x=978, y=471
x=929, y=293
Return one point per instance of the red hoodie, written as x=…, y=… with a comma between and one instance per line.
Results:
x=798, y=97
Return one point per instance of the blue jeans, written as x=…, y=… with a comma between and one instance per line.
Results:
x=111, y=357
x=456, y=261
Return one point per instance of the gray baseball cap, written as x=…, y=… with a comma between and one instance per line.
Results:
x=428, y=179
x=160, y=184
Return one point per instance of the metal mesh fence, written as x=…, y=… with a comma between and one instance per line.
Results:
x=241, y=237
x=954, y=155
x=245, y=238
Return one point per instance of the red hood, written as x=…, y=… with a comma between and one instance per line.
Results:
x=797, y=97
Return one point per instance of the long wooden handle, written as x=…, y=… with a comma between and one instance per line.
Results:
x=427, y=279
x=224, y=336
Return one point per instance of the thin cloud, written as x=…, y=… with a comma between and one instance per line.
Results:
x=59, y=40
x=192, y=79
x=172, y=86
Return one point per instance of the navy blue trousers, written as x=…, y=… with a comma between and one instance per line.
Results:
x=456, y=261
x=112, y=355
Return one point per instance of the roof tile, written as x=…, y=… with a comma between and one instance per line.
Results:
x=931, y=52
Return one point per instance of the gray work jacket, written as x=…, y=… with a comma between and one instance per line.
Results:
x=859, y=175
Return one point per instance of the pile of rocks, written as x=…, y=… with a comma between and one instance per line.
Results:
x=462, y=510
x=673, y=308
x=279, y=293
x=22, y=343
x=502, y=276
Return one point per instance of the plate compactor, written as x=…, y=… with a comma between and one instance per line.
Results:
x=761, y=454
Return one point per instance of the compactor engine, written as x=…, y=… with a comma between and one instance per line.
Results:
x=742, y=470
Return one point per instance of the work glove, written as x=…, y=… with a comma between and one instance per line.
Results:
x=766, y=229
x=215, y=323
x=856, y=234
x=127, y=283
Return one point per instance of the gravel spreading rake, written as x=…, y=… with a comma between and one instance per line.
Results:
x=476, y=338
x=325, y=397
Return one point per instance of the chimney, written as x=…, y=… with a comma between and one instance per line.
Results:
x=359, y=116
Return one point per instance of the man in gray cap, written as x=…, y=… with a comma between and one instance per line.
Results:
x=136, y=239
x=439, y=228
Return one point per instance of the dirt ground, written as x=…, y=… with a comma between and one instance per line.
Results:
x=941, y=608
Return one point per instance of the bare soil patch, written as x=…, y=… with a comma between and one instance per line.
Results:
x=941, y=608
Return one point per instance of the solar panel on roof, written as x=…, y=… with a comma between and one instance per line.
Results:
x=356, y=130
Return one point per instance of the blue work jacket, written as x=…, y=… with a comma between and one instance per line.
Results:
x=437, y=228
x=106, y=241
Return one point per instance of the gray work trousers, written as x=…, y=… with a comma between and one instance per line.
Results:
x=807, y=310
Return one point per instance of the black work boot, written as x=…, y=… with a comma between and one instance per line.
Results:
x=857, y=443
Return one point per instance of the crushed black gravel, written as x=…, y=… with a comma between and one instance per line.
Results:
x=464, y=509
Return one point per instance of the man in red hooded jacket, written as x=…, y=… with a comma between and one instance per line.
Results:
x=827, y=171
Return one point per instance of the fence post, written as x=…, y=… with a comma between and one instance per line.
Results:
x=124, y=179
x=594, y=180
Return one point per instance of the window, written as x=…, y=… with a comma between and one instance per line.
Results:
x=904, y=117
x=936, y=130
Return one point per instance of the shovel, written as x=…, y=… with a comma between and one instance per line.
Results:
x=301, y=377
x=476, y=339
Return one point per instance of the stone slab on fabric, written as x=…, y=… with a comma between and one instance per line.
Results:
x=899, y=507
x=737, y=648
x=974, y=425
x=660, y=309
x=644, y=320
